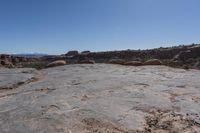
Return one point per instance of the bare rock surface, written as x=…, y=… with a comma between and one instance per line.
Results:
x=12, y=78
x=100, y=98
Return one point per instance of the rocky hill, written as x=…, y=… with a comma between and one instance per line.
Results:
x=185, y=56
x=180, y=56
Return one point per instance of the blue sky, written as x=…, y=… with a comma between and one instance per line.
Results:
x=57, y=26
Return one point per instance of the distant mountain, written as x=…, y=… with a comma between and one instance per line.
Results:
x=30, y=55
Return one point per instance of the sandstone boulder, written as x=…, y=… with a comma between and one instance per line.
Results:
x=5, y=62
x=87, y=62
x=117, y=61
x=152, y=62
x=56, y=63
x=133, y=63
x=72, y=53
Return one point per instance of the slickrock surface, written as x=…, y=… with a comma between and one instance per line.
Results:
x=100, y=98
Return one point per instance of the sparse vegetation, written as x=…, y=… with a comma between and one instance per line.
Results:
x=36, y=65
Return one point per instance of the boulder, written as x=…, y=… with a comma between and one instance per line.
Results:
x=56, y=63
x=5, y=62
x=133, y=63
x=152, y=62
x=72, y=53
x=85, y=52
x=117, y=61
x=87, y=62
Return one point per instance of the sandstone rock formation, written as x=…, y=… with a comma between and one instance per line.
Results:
x=5, y=60
x=100, y=98
x=56, y=63
x=178, y=56
x=152, y=62
x=166, y=55
x=133, y=63
x=87, y=62
x=117, y=61
x=85, y=52
x=72, y=53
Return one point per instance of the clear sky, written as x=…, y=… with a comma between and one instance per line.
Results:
x=57, y=26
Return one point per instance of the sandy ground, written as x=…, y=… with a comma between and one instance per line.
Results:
x=100, y=98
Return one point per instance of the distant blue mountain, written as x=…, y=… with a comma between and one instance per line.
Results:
x=30, y=55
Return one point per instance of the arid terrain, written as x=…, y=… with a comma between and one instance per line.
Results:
x=183, y=56
x=100, y=98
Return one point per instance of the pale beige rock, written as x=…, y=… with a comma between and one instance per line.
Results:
x=133, y=63
x=117, y=61
x=105, y=98
x=87, y=62
x=56, y=63
x=152, y=62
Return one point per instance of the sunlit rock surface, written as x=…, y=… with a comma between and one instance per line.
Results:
x=102, y=98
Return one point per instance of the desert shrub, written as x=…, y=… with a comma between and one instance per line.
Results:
x=36, y=65
x=185, y=67
x=172, y=63
x=190, y=60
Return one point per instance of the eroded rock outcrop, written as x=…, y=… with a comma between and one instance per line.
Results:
x=133, y=63
x=72, y=53
x=117, y=61
x=152, y=62
x=56, y=63
x=6, y=61
x=87, y=61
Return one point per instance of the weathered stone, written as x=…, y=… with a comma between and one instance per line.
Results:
x=117, y=61
x=133, y=63
x=152, y=62
x=87, y=62
x=56, y=63
x=72, y=53
x=102, y=98
x=85, y=52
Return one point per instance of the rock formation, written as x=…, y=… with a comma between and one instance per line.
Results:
x=100, y=98
x=72, y=53
x=117, y=61
x=152, y=62
x=187, y=56
x=56, y=63
x=133, y=63
x=87, y=62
